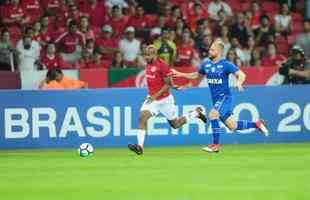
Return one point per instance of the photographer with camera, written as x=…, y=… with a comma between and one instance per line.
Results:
x=296, y=70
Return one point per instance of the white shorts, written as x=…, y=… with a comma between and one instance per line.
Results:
x=164, y=106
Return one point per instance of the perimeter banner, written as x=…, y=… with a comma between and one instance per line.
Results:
x=109, y=117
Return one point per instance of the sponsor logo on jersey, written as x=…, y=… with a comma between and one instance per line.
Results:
x=214, y=81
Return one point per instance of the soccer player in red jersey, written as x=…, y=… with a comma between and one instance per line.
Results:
x=159, y=99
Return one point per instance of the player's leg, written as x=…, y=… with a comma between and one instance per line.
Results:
x=168, y=108
x=146, y=112
x=214, y=117
x=244, y=124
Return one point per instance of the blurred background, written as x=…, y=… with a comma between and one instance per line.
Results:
x=99, y=43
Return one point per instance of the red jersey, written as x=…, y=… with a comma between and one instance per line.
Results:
x=69, y=42
x=12, y=12
x=55, y=62
x=118, y=24
x=155, y=73
x=271, y=62
x=46, y=36
x=52, y=5
x=33, y=8
x=139, y=23
x=96, y=13
x=185, y=54
x=107, y=43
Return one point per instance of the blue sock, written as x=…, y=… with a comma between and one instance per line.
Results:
x=216, y=130
x=241, y=125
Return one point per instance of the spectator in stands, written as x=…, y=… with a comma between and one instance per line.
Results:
x=33, y=8
x=264, y=31
x=95, y=11
x=97, y=60
x=117, y=21
x=202, y=44
x=185, y=52
x=107, y=44
x=51, y=60
x=176, y=14
x=140, y=22
x=166, y=47
x=303, y=40
x=46, y=31
x=272, y=58
x=218, y=5
x=238, y=62
x=118, y=61
x=130, y=47
x=120, y=3
x=52, y=7
x=256, y=57
x=55, y=79
x=231, y=55
x=225, y=37
x=239, y=50
x=15, y=14
x=283, y=20
x=85, y=28
x=28, y=54
x=72, y=13
x=161, y=22
x=296, y=70
x=240, y=30
x=90, y=46
x=70, y=43
x=217, y=25
x=179, y=28
x=36, y=35
x=85, y=61
x=7, y=50
x=198, y=14
x=256, y=13
x=202, y=28
x=248, y=49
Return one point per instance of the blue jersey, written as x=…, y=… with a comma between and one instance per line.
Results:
x=217, y=75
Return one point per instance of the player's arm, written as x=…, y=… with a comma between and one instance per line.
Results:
x=240, y=75
x=193, y=75
x=164, y=89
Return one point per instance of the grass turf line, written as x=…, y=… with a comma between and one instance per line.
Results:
x=239, y=172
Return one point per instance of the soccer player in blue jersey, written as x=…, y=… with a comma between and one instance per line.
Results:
x=217, y=71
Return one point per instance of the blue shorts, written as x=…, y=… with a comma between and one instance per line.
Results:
x=224, y=107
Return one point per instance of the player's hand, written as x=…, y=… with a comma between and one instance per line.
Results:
x=239, y=86
x=150, y=99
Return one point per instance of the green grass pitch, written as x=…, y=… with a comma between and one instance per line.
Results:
x=239, y=172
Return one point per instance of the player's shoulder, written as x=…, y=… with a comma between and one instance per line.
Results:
x=227, y=63
x=161, y=62
x=206, y=61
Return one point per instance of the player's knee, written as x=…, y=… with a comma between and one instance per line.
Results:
x=213, y=114
x=144, y=116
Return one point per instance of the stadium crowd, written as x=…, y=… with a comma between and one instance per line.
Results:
x=75, y=34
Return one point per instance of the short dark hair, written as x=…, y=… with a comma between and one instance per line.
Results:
x=264, y=17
